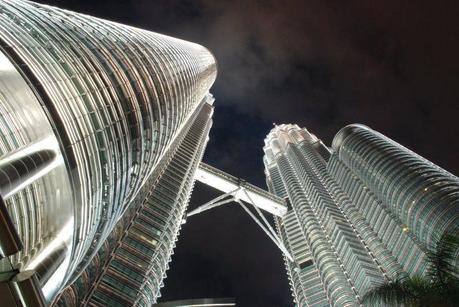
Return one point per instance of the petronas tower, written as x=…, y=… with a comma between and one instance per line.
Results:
x=103, y=128
x=99, y=122
x=361, y=213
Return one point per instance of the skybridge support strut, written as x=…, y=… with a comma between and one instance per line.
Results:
x=233, y=196
x=245, y=191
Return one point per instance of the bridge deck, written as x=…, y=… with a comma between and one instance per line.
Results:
x=247, y=192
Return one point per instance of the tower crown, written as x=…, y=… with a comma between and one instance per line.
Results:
x=281, y=135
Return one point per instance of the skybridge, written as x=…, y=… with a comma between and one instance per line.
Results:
x=239, y=191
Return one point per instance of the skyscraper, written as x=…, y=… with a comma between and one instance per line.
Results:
x=93, y=114
x=131, y=271
x=102, y=129
x=361, y=213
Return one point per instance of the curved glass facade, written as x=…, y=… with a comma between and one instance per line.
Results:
x=393, y=246
x=34, y=180
x=329, y=253
x=133, y=272
x=107, y=100
x=365, y=212
x=422, y=197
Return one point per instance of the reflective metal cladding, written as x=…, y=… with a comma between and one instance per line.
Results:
x=362, y=213
x=130, y=267
x=88, y=108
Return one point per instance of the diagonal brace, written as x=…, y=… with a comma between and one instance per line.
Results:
x=233, y=196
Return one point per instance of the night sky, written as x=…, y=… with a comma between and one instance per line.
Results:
x=392, y=65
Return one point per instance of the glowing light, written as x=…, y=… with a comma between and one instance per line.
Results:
x=226, y=186
x=64, y=236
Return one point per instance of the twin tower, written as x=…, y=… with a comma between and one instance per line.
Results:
x=102, y=132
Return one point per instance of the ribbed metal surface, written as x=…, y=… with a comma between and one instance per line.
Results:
x=113, y=98
x=393, y=245
x=34, y=180
x=306, y=284
x=315, y=217
x=424, y=197
x=325, y=255
x=133, y=273
x=366, y=213
x=336, y=252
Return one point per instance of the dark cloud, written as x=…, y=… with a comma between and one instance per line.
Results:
x=323, y=64
x=392, y=65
